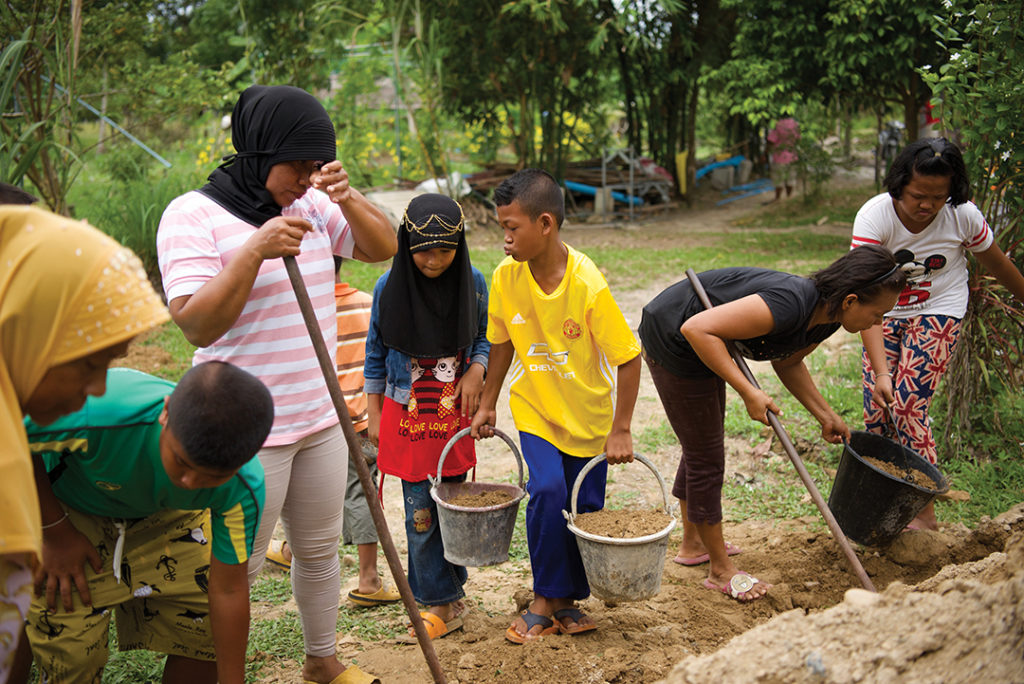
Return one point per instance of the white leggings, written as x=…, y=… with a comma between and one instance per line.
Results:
x=305, y=487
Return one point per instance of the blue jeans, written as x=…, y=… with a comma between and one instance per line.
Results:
x=433, y=579
x=554, y=557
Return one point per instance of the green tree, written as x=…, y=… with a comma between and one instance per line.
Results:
x=37, y=85
x=981, y=89
x=867, y=52
x=661, y=49
x=875, y=49
x=536, y=67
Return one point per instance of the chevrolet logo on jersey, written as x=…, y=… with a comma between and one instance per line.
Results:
x=553, y=359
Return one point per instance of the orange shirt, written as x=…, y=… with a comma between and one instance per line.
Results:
x=353, y=309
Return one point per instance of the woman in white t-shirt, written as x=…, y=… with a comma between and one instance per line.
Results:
x=282, y=194
x=926, y=220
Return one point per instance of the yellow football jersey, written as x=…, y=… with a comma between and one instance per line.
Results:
x=567, y=347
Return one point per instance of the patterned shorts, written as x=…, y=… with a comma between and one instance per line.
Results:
x=160, y=604
x=917, y=352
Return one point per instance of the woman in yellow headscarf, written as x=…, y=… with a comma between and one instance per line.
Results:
x=71, y=300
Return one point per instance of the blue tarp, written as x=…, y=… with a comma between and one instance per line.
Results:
x=590, y=190
x=731, y=161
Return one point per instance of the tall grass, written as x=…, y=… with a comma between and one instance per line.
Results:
x=124, y=196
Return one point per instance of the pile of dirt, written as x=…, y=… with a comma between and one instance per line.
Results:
x=966, y=623
x=623, y=523
x=491, y=497
x=914, y=477
x=808, y=628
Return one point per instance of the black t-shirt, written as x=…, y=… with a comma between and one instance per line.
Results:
x=790, y=298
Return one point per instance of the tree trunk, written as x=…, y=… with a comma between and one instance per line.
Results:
x=103, y=111
x=691, y=144
x=847, y=125
x=911, y=106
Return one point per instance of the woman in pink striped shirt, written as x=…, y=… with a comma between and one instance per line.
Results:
x=282, y=194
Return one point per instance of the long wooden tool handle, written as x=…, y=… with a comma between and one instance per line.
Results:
x=329, y=370
x=787, y=444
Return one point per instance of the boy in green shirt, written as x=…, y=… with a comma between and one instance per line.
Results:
x=138, y=490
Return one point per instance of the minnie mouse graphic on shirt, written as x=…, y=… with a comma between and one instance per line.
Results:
x=433, y=383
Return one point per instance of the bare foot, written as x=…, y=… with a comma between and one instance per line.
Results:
x=691, y=548
x=747, y=588
x=697, y=554
x=370, y=585
x=321, y=669
x=448, y=611
x=541, y=606
x=925, y=520
x=571, y=619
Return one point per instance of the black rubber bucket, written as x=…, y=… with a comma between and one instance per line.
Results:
x=872, y=506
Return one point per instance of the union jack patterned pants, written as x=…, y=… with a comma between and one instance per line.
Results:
x=917, y=351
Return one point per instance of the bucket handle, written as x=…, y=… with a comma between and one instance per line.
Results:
x=464, y=432
x=593, y=463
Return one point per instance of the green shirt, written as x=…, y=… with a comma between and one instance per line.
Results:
x=105, y=460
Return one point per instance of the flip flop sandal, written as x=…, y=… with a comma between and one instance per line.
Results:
x=576, y=615
x=352, y=675
x=382, y=596
x=436, y=628
x=275, y=555
x=740, y=583
x=730, y=550
x=532, y=620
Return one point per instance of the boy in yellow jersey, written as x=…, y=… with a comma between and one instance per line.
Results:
x=552, y=319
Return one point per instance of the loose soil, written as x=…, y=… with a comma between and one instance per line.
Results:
x=623, y=523
x=951, y=607
x=914, y=477
x=493, y=497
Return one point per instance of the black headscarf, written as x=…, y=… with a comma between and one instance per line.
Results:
x=270, y=125
x=428, y=318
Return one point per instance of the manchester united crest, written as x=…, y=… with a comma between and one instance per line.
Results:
x=571, y=329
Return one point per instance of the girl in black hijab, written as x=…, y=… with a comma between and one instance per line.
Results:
x=426, y=354
x=430, y=314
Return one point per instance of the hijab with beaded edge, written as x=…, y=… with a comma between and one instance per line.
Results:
x=66, y=291
x=423, y=317
x=269, y=125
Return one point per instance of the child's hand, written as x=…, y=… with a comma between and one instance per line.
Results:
x=618, y=448
x=333, y=180
x=483, y=423
x=373, y=430
x=882, y=394
x=470, y=387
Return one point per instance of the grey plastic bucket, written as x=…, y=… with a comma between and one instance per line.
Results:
x=476, y=536
x=621, y=570
x=872, y=506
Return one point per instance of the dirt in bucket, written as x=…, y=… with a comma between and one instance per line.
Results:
x=623, y=524
x=910, y=475
x=492, y=497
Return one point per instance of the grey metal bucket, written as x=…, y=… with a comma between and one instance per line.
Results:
x=476, y=536
x=622, y=570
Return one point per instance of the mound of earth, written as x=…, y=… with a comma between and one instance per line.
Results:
x=964, y=624
x=951, y=602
